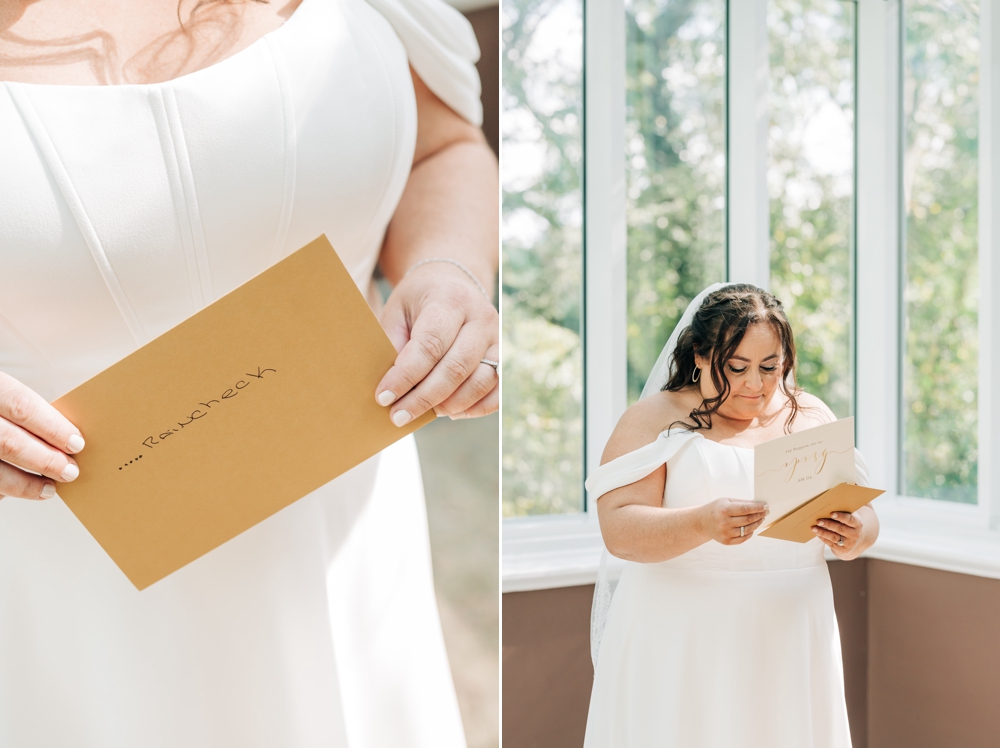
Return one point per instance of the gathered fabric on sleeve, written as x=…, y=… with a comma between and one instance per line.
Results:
x=636, y=465
x=442, y=48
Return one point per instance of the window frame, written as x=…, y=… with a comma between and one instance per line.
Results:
x=558, y=551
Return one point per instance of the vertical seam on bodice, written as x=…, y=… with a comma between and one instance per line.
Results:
x=185, y=230
x=748, y=472
x=61, y=176
x=291, y=155
x=395, y=129
x=190, y=193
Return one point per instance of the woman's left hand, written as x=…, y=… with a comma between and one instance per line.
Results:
x=442, y=325
x=841, y=526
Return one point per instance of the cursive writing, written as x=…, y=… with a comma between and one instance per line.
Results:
x=205, y=408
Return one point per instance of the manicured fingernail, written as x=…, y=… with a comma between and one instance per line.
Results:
x=821, y=523
x=815, y=529
x=48, y=491
x=767, y=512
x=458, y=416
x=386, y=397
x=401, y=418
x=835, y=515
x=70, y=473
x=75, y=443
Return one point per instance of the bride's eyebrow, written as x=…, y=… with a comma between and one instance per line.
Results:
x=740, y=358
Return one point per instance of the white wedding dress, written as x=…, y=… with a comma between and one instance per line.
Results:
x=124, y=210
x=722, y=646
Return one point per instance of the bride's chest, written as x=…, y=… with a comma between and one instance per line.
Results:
x=705, y=471
x=125, y=209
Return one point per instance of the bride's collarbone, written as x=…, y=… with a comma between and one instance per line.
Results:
x=98, y=45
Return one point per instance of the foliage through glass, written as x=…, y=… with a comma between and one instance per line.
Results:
x=941, y=283
x=542, y=258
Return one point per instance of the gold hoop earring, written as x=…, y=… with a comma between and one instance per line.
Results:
x=696, y=374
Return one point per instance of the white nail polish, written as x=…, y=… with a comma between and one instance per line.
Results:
x=70, y=473
x=386, y=397
x=75, y=443
x=48, y=491
x=401, y=418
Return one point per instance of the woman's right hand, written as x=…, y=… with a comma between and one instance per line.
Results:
x=723, y=518
x=34, y=437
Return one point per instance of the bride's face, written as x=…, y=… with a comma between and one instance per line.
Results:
x=753, y=372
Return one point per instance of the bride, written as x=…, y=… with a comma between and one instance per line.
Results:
x=716, y=638
x=153, y=157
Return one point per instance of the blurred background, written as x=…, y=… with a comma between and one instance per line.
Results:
x=675, y=134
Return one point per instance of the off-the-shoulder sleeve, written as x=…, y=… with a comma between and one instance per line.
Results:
x=636, y=465
x=442, y=48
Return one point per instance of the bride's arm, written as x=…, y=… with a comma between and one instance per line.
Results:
x=635, y=524
x=439, y=317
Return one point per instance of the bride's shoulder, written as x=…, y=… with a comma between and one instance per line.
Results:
x=812, y=411
x=642, y=423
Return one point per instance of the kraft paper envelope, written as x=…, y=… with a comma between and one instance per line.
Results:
x=237, y=412
x=797, y=525
x=805, y=476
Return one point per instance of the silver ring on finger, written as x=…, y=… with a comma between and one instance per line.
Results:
x=494, y=364
x=841, y=541
x=743, y=530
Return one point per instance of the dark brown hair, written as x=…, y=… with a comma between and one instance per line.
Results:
x=717, y=329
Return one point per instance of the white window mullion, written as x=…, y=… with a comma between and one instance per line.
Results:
x=748, y=219
x=878, y=255
x=605, y=195
x=989, y=264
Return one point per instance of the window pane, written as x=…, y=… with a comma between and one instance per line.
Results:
x=675, y=136
x=940, y=293
x=542, y=256
x=810, y=182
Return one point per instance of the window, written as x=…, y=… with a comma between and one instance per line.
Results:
x=542, y=257
x=675, y=133
x=811, y=187
x=940, y=278
x=833, y=149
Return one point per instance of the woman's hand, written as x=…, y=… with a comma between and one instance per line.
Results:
x=442, y=326
x=841, y=527
x=34, y=437
x=723, y=518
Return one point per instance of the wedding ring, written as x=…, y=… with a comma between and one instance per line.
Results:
x=841, y=541
x=494, y=364
x=743, y=529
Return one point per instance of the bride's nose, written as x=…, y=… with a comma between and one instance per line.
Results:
x=754, y=381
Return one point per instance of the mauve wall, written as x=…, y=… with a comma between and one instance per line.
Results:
x=921, y=659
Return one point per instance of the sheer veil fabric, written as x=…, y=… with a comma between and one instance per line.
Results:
x=605, y=588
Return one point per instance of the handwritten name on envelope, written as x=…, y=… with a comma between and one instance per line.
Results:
x=239, y=411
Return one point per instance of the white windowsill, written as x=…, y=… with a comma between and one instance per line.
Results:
x=565, y=551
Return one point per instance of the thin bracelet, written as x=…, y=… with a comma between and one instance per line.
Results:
x=457, y=264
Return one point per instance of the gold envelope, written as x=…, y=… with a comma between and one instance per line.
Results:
x=797, y=525
x=237, y=412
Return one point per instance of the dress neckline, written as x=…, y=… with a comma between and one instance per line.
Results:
x=259, y=41
x=670, y=432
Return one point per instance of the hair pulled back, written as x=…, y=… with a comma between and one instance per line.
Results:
x=716, y=331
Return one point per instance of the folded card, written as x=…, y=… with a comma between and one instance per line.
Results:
x=808, y=475
x=249, y=405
